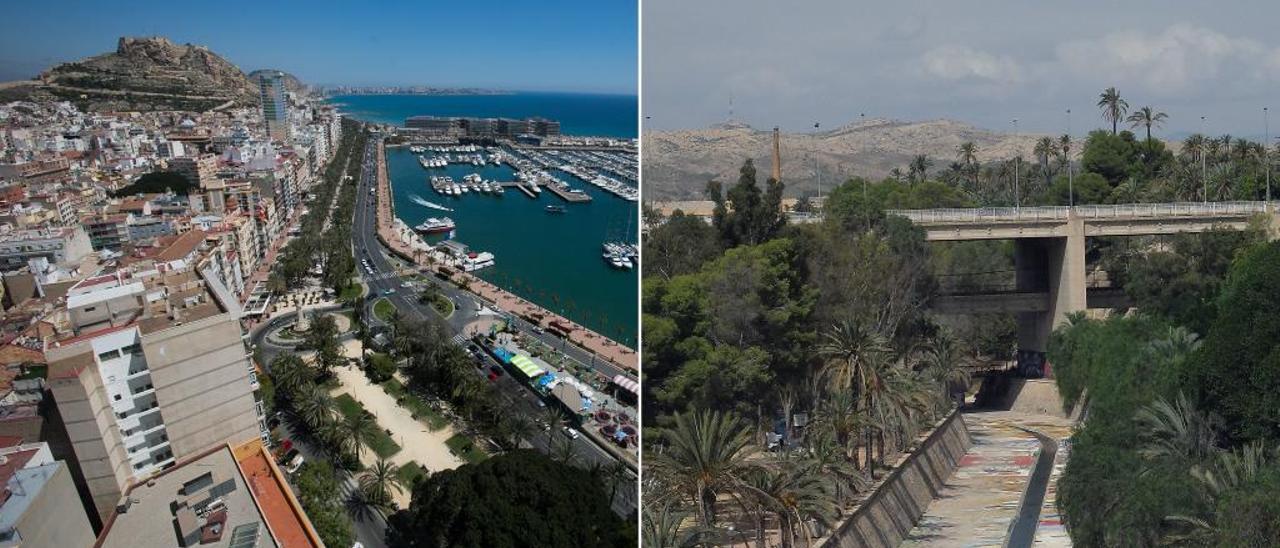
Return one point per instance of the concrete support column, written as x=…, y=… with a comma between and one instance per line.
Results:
x=1056, y=265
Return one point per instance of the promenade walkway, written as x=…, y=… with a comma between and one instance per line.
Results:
x=980, y=500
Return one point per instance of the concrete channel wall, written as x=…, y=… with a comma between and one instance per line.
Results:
x=887, y=516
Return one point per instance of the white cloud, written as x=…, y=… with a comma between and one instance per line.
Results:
x=1180, y=59
x=957, y=63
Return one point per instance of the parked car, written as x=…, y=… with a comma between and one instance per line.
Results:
x=571, y=433
x=296, y=463
x=288, y=456
x=496, y=370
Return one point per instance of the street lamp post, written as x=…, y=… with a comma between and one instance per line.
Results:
x=1266, y=159
x=816, y=169
x=1071, y=190
x=1204, y=171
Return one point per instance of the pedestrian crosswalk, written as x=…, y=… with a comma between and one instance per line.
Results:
x=460, y=339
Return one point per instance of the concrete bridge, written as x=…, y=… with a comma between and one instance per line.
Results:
x=1049, y=252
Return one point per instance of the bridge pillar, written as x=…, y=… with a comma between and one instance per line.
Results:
x=1056, y=265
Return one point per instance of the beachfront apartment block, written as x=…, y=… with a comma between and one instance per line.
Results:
x=154, y=369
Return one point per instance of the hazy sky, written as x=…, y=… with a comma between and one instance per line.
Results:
x=986, y=63
x=550, y=45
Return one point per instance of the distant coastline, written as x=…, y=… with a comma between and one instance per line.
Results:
x=409, y=90
x=579, y=114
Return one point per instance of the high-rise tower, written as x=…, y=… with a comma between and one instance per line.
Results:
x=274, y=112
x=777, y=157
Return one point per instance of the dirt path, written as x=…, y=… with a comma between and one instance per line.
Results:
x=417, y=442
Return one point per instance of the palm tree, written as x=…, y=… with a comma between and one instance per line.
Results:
x=707, y=457
x=918, y=169
x=358, y=430
x=1227, y=472
x=615, y=474
x=1177, y=431
x=828, y=458
x=1113, y=107
x=315, y=407
x=945, y=366
x=846, y=348
x=1043, y=150
x=379, y=483
x=290, y=374
x=519, y=429
x=1147, y=117
x=967, y=154
x=553, y=418
x=663, y=527
x=1064, y=151
x=794, y=495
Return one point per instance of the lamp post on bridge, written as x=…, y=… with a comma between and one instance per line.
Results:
x=1017, y=166
x=1204, y=171
x=1071, y=190
x=1266, y=143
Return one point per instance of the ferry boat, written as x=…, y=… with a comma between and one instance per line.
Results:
x=555, y=209
x=475, y=261
x=435, y=226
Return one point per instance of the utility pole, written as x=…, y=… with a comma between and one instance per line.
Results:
x=1266, y=143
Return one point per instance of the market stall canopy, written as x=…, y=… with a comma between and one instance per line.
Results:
x=628, y=384
x=570, y=397
x=526, y=366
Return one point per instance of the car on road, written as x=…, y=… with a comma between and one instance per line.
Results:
x=388, y=292
x=288, y=456
x=495, y=370
x=571, y=433
x=492, y=376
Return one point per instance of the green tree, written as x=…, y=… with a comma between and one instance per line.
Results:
x=321, y=499
x=746, y=214
x=680, y=245
x=519, y=498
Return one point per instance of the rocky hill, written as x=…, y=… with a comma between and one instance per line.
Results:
x=150, y=74
x=678, y=164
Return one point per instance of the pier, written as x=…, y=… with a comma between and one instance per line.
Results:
x=524, y=189
x=563, y=193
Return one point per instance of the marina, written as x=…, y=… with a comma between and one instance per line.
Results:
x=547, y=250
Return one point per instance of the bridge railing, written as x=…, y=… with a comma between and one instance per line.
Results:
x=1061, y=213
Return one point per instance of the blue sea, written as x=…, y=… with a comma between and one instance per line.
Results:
x=585, y=114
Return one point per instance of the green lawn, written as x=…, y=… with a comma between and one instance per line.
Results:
x=463, y=447
x=409, y=473
x=351, y=293
x=419, y=408
x=443, y=305
x=383, y=309
x=381, y=444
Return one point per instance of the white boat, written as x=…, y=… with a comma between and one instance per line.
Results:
x=485, y=187
x=457, y=191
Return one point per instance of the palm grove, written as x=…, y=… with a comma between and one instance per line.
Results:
x=749, y=322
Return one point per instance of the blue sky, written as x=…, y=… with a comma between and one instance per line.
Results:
x=795, y=63
x=552, y=45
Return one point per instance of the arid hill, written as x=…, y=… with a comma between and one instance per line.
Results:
x=678, y=164
x=149, y=73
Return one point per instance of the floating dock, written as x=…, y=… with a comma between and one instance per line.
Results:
x=571, y=197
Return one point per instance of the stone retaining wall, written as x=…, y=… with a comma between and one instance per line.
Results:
x=887, y=516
